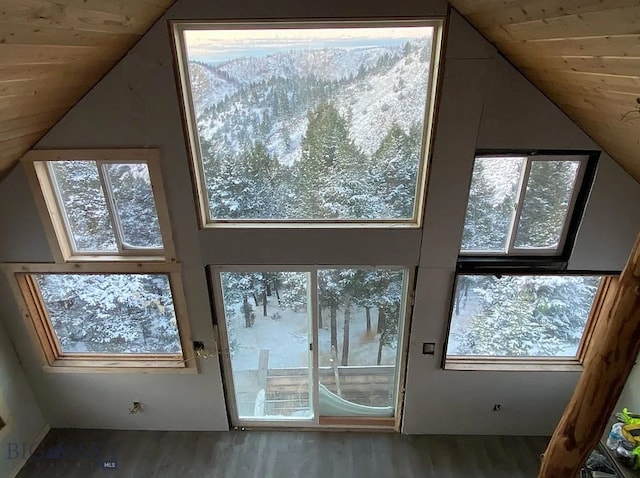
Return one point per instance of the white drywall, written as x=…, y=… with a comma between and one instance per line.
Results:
x=25, y=425
x=484, y=103
x=630, y=396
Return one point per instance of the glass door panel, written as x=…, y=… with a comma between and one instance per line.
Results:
x=360, y=320
x=267, y=322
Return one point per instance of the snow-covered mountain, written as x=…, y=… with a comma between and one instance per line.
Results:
x=329, y=64
x=269, y=98
x=209, y=86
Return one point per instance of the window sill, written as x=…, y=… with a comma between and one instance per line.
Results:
x=115, y=366
x=116, y=258
x=513, y=365
x=310, y=225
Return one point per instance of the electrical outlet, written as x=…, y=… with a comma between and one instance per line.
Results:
x=136, y=408
x=428, y=348
x=497, y=407
x=202, y=351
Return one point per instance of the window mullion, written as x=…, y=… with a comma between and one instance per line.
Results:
x=49, y=334
x=572, y=203
x=315, y=378
x=63, y=212
x=111, y=205
x=513, y=229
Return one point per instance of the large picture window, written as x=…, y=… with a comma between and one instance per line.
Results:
x=519, y=316
x=98, y=316
x=325, y=123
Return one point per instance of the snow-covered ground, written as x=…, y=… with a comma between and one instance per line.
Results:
x=288, y=337
x=375, y=103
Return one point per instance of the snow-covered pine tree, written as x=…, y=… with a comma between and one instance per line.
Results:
x=545, y=204
x=111, y=313
x=527, y=315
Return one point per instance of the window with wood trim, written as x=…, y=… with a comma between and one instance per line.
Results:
x=102, y=204
x=309, y=122
x=110, y=315
x=505, y=320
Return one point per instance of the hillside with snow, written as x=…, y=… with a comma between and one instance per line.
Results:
x=269, y=98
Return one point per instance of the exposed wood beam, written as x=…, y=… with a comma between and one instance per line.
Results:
x=607, y=365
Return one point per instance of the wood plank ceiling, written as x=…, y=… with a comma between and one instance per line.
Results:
x=583, y=54
x=52, y=53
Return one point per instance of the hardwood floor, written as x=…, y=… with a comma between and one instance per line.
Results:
x=81, y=454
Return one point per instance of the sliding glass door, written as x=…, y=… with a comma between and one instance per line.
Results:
x=267, y=323
x=270, y=322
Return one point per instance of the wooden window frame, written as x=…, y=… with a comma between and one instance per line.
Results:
x=54, y=219
x=535, y=364
x=177, y=29
x=581, y=188
x=35, y=315
x=6, y=423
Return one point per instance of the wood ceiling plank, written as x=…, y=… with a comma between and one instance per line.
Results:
x=21, y=106
x=45, y=93
x=585, y=80
x=158, y=3
x=612, y=46
x=25, y=131
x=591, y=104
x=602, y=103
x=15, y=123
x=131, y=8
x=468, y=7
x=623, y=66
x=54, y=71
x=59, y=15
x=29, y=87
x=620, y=21
x=18, y=143
x=23, y=34
x=30, y=54
x=555, y=84
x=599, y=121
x=599, y=133
x=609, y=129
x=531, y=10
x=583, y=54
x=52, y=52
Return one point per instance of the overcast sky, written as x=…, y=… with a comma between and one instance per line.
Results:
x=220, y=45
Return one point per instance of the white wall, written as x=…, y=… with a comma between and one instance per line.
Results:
x=630, y=396
x=484, y=104
x=25, y=425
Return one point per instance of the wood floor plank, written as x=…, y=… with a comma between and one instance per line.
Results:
x=80, y=454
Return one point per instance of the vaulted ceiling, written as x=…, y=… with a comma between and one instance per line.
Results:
x=52, y=52
x=583, y=54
